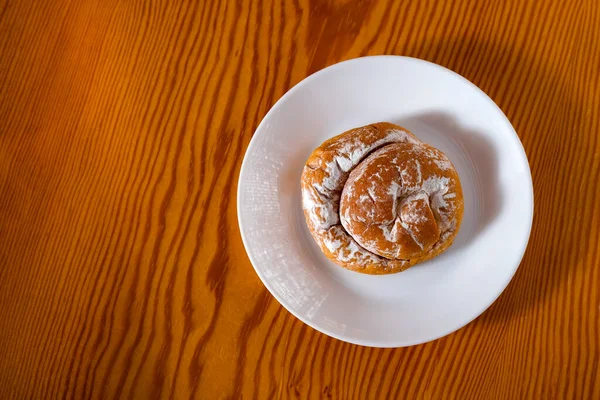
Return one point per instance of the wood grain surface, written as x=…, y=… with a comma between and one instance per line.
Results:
x=122, y=129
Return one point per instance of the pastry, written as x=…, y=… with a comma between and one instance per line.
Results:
x=377, y=200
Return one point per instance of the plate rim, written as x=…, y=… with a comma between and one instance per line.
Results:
x=350, y=339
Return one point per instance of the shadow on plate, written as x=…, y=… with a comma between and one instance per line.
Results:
x=476, y=160
x=549, y=115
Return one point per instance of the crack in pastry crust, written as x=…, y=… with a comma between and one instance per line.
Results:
x=377, y=200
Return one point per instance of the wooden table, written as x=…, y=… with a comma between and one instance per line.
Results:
x=122, y=129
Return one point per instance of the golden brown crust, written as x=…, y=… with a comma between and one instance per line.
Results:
x=377, y=200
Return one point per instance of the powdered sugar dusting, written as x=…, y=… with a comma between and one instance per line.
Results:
x=324, y=185
x=443, y=164
x=338, y=242
x=410, y=193
x=318, y=201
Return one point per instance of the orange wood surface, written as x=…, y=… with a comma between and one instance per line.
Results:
x=122, y=129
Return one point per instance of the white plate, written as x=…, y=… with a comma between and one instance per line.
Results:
x=429, y=300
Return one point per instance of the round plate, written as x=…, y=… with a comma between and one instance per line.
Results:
x=429, y=300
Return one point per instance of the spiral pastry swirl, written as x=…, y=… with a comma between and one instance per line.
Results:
x=377, y=200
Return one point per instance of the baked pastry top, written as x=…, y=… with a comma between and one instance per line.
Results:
x=377, y=200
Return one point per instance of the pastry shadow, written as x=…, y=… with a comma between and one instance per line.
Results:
x=496, y=66
x=476, y=161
